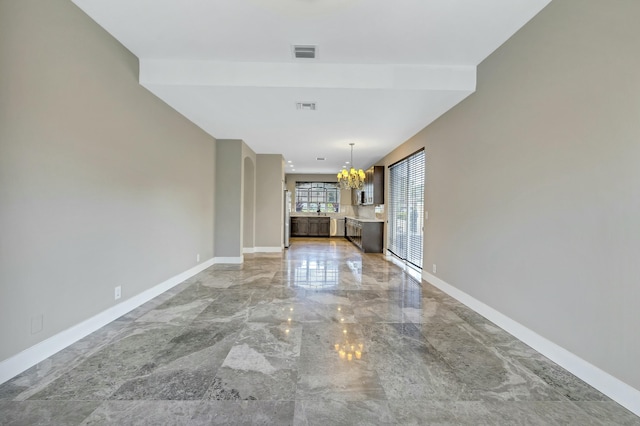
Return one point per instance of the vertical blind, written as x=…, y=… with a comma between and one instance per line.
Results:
x=406, y=208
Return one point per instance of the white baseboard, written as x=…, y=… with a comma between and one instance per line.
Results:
x=26, y=359
x=262, y=250
x=233, y=260
x=268, y=249
x=622, y=393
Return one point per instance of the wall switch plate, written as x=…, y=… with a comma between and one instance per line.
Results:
x=198, y=257
x=118, y=292
x=435, y=268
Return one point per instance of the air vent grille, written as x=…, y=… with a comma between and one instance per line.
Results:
x=306, y=106
x=304, y=52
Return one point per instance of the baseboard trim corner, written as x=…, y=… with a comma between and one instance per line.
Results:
x=31, y=356
x=614, y=388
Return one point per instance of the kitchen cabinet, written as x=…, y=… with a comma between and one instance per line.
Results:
x=319, y=226
x=325, y=228
x=313, y=226
x=302, y=226
x=299, y=226
x=373, y=191
x=356, y=197
x=365, y=234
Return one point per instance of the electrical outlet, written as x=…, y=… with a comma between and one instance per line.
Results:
x=118, y=292
x=198, y=257
x=435, y=268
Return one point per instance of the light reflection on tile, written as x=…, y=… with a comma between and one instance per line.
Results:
x=319, y=334
x=314, y=273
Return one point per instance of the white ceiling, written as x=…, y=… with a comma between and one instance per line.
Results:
x=385, y=69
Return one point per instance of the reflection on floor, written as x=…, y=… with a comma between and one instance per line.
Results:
x=321, y=334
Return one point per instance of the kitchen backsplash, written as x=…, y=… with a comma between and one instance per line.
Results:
x=369, y=212
x=348, y=210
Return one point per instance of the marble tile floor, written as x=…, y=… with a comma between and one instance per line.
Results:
x=319, y=335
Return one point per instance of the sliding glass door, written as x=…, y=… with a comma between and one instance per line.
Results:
x=406, y=208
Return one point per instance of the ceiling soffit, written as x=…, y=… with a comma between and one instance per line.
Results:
x=340, y=76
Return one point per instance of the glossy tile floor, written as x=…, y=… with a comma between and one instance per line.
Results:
x=319, y=335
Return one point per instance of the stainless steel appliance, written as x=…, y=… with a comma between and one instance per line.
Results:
x=287, y=218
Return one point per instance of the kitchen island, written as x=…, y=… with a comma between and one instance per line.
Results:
x=366, y=234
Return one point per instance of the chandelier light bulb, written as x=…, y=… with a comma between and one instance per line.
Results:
x=352, y=179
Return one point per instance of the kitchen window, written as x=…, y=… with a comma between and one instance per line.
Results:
x=312, y=197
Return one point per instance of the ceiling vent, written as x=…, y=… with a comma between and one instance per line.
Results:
x=306, y=106
x=304, y=52
x=320, y=158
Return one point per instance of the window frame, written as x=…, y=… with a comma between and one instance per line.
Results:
x=313, y=196
x=405, y=220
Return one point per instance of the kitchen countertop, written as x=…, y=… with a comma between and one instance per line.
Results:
x=364, y=220
x=331, y=216
x=334, y=216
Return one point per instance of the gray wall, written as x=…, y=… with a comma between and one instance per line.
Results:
x=533, y=182
x=248, y=195
x=101, y=183
x=269, y=200
x=249, y=204
x=228, y=196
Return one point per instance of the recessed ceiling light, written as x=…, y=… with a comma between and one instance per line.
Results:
x=289, y=161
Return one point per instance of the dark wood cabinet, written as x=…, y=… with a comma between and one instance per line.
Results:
x=299, y=226
x=310, y=226
x=314, y=226
x=373, y=191
x=367, y=235
x=324, y=228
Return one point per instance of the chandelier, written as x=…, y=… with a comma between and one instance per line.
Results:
x=352, y=179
